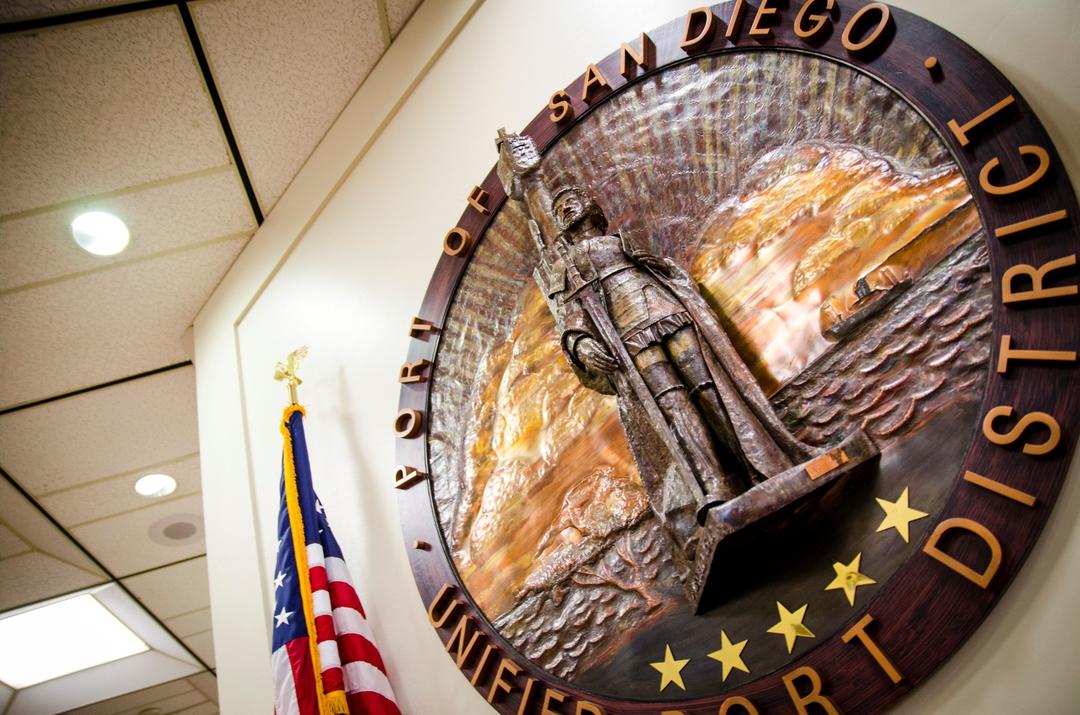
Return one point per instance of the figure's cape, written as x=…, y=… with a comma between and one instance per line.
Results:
x=765, y=444
x=747, y=405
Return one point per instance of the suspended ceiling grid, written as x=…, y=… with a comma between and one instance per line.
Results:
x=188, y=119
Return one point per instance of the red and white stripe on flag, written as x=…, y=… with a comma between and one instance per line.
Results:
x=347, y=653
x=350, y=660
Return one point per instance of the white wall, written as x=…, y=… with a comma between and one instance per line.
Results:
x=344, y=259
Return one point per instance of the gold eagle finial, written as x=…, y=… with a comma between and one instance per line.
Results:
x=286, y=371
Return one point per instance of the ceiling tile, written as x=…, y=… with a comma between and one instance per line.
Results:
x=398, y=13
x=36, y=576
x=101, y=433
x=168, y=217
x=285, y=71
x=97, y=106
x=19, y=9
x=111, y=540
x=190, y=624
x=204, y=709
x=48, y=563
x=116, y=495
x=203, y=645
x=173, y=591
x=155, y=696
x=104, y=326
x=205, y=683
x=176, y=704
x=11, y=543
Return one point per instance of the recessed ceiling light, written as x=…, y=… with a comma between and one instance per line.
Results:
x=155, y=485
x=100, y=233
x=61, y=638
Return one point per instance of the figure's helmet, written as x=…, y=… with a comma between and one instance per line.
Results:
x=572, y=205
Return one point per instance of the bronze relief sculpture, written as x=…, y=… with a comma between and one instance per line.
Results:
x=703, y=394
x=704, y=436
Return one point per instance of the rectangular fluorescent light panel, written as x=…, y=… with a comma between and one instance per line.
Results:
x=62, y=638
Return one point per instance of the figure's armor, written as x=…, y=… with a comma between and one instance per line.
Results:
x=642, y=309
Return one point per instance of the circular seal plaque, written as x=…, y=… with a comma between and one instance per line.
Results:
x=742, y=385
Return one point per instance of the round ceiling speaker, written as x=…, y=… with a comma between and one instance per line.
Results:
x=177, y=530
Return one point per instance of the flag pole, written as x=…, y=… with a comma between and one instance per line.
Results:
x=286, y=371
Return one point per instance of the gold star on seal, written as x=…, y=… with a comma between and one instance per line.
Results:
x=849, y=578
x=670, y=670
x=791, y=625
x=730, y=656
x=898, y=515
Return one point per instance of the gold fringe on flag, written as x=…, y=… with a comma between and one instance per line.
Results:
x=337, y=702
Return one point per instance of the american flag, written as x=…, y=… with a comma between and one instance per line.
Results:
x=314, y=598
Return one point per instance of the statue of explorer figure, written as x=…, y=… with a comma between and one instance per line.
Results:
x=634, y=325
